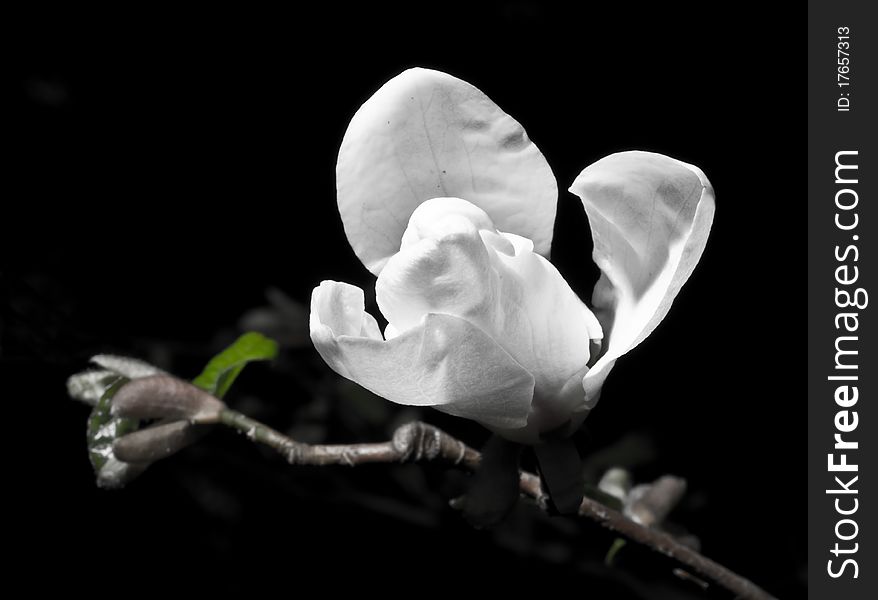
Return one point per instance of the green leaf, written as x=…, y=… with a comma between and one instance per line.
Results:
x=221, y=371
x=102, y=430
x=610, y=558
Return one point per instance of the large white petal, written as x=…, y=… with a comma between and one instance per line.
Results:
x=453, y=261
x=426, y=134
x=444, y=361
x=650, y=217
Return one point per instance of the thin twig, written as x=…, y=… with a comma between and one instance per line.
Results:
x=416, y=442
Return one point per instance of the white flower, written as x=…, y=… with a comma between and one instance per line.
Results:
x=448, y=202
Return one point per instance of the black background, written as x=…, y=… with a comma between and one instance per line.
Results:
x=169, y=166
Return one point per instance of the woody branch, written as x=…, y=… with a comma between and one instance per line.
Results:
x=420, y=442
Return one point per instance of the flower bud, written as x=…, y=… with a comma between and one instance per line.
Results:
x=157, y=442
x=165, y=397
x=650, y=504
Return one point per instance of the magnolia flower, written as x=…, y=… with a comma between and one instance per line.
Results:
x=445, y=199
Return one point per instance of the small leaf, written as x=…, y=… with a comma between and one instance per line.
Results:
x=103, y=429
x=221, y=371
x=610, y=558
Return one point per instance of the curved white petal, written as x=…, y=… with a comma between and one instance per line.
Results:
x=650, y=216
x=426, y=134
x=444, y=361
x=453, y=261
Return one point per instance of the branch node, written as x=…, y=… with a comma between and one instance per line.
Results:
x=292, y=453
x=403, y=440
x=416, y=441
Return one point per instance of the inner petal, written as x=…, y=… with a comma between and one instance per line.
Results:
x=443, y=267
x=454, y=261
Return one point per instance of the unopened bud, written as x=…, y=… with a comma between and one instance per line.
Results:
x=156, y=442
x=650, y=504
x=165, y=397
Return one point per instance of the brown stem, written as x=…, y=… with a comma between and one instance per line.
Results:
x=416, y=442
